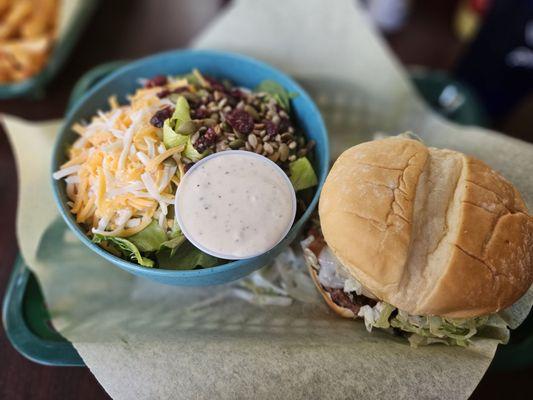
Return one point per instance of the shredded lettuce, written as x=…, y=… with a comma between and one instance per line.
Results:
x=278, y=92
x=302, y=174
x=377, y=316
x=124, y=246
x=423, y=329
x=150, y=238
x=278, y=284
x=353, y=285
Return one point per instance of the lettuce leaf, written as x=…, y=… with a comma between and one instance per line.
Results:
x=150, y=238
x=278, y=92
x=124, y=246
x=181, y=114
x=186, y=256
x=171, y=138
x=302, y=174
x=174, y=243
x=191, y=153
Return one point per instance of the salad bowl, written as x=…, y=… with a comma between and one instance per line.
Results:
x=242, y=71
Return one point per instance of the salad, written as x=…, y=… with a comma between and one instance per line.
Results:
x=122, y=173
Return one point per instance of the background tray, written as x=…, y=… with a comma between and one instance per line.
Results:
x=26, y=318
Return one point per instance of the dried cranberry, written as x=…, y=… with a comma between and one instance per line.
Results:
x=163, y=93
x=200, y=113
x=241, y=121
x=158, y=119
x=283, y=125
x=158, y=80
x=236, y=93
x=206, y=140
x=270, y=127
x=215, y=85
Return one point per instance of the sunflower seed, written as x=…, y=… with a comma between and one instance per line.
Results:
x=274, y=157
x=283, y=152
x=252, y=139
x=195, y=137
x=268, y=148
x=221, y=146
x=259, y=148
x=190, y=96
x=276, y=119
x=247, y=146
x=286, y=136
x=250, y=110
x=222, y=102
x=292, y=145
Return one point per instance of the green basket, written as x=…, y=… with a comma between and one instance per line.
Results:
x=27, y=321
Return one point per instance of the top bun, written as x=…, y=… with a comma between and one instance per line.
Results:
x=430, y=231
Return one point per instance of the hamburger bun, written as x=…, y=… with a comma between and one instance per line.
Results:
x=430, y=231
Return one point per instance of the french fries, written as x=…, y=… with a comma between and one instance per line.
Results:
x=27, y=30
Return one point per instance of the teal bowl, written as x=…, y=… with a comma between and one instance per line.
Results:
x=243, y=71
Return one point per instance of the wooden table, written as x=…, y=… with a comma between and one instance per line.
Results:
x=127, y=29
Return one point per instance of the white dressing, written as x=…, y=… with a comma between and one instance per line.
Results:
x=235, y=204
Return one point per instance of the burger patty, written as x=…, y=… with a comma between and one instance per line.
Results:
x=351, y=301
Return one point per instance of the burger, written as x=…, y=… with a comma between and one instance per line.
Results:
x=428, y=243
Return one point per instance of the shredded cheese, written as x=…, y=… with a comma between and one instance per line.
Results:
x=119, y=174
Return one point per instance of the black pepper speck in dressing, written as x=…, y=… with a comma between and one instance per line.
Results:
x=235, y=206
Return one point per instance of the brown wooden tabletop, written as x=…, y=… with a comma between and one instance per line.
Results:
x=128, y=29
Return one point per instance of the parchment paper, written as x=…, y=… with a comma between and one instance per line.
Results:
x=147, y=341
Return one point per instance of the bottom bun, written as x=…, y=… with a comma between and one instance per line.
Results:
x=342, y=311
